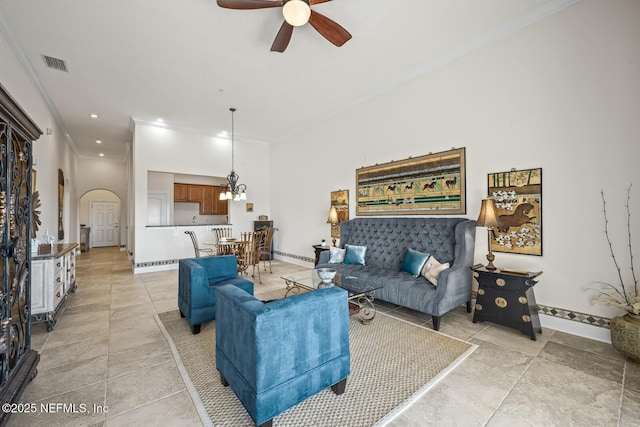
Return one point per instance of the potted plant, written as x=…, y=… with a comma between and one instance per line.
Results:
x=625, y=329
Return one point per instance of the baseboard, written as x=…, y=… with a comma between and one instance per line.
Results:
x=155, y=268
x=596, y=333
x=295, y=261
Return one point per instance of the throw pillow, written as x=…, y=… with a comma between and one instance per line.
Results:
x=337, y=255
x=413, y=262
x=354, y=254
x=432, y=269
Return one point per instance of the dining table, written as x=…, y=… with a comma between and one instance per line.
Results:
x=231, y=247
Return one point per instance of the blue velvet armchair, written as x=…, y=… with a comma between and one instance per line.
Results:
x=275, y=355
x=197, y=280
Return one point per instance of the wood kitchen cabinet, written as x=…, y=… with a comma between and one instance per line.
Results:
x=180, y=192
x=209, y=202
x=194, y=193
x=205, y=195
x=222, y=205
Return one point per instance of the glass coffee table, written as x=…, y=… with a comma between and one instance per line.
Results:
x=361, y=294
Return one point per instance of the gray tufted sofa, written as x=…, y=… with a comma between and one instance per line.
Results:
x=387, y=239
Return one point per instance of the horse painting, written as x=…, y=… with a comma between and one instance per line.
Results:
x=518, y=218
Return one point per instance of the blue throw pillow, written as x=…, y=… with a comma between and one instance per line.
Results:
x=354, y=254
x=413, y=262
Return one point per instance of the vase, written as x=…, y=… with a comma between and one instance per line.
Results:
x=625, y=335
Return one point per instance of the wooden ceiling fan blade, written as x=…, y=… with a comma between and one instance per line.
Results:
x=312, y=2
x=249, y=4
x=329, y=29
x=282, y=38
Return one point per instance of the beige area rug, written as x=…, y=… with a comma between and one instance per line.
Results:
x=393, y=363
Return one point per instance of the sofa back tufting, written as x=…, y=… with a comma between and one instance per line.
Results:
x=387, y=239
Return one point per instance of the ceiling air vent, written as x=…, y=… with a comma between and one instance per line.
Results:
x=55, y=63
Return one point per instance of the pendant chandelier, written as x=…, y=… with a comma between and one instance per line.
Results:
x=233, y=190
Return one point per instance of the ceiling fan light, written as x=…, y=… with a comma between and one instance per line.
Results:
x=296, y=12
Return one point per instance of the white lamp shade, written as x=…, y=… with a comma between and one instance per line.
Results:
x=296, y=12
x=228, y=195
x=243, y=196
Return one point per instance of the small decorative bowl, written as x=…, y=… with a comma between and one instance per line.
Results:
x=326, y=274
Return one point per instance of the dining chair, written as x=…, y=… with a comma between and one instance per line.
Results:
x=251, y=253
x=194, y=240
x=222, y=232
x=265, y=247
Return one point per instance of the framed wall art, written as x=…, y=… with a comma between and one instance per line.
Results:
x=518, y=198
x=339, y=200
x=428, y=185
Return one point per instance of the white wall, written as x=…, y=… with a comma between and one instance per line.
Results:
x=562, y=94
x=51, y=152
x=161, y=149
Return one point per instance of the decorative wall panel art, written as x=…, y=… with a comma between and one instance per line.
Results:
x=518, y=198
x=428, y=185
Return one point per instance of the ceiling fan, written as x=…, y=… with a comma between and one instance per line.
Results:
x=296, y=13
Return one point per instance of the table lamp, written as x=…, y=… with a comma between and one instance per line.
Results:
x=488, y=218
x=333, y=220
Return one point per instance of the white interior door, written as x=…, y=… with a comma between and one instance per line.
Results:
x=157, y=209
x=104, y=224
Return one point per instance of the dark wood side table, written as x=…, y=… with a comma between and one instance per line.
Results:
x=506, y=298
x=318, y=249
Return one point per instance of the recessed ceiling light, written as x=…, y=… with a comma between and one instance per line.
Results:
x=94, y=116
x=98, y=141
x=159, y=120
x=101, y=154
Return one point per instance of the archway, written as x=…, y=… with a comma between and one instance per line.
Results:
x=100, y=218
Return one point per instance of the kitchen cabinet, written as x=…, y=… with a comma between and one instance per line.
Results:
x=194, y=193
x=180, y=192
x=209, y=203
x=222, y=207
x=206, y=195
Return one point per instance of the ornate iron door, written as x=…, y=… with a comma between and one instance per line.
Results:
x=17, y=360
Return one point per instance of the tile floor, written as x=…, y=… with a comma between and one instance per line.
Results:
x=107, y=353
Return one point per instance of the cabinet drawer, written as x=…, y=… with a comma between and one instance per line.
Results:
x=508, y=283
x=58, y=264
x=58, y=294
x=59, y=278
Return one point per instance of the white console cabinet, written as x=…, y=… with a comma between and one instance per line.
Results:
x=53, y=277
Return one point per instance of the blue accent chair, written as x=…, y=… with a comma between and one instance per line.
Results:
x=275, y=355
x=198, y=279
